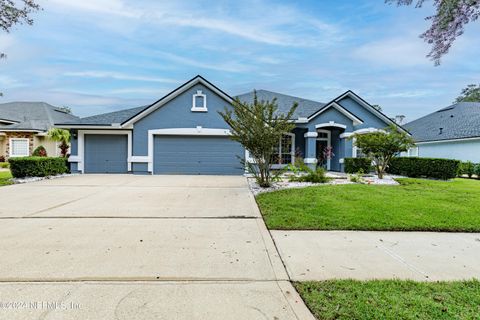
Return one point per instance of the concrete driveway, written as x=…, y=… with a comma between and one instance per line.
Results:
x=139, y=247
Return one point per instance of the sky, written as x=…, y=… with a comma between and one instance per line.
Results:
x=99, y=56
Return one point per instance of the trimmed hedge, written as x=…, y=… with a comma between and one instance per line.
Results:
x=424, y=167
x=354, y=165
x=37, y=166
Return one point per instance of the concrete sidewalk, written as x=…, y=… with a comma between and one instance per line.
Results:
x=362, y=255
x=140, y=247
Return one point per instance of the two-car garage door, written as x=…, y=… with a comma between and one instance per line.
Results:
x=197, y=155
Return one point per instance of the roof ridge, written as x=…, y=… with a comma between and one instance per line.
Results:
x=112, y=112
x=279, y=93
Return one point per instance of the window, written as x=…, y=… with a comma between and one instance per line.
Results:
x=285, y=152
x=357, y=152
x=19, y=147
x=413, y=152
x=199, y=102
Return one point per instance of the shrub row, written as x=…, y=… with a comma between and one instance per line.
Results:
x=469, y=169
x=354, y=165
x=424, y=167
x=37, y=166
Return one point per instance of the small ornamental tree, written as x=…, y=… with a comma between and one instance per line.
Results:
x=39, y=152
x=258, y=127
x=382, y=146
x=62, y=136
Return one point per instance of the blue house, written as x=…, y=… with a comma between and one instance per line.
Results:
x=182, y=133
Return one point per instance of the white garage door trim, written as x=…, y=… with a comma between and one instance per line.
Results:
x=198, y=131
x=80, y=157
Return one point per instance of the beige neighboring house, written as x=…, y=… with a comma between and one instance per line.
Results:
x=24, y=126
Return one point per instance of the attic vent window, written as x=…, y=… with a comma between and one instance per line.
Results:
x=441, y=131
x=199, y=102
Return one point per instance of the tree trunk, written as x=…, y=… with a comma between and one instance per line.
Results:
x=380, y=175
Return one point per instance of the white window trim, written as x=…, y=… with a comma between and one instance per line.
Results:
x=330, y=124
x=79, y=158
x=412, y=152
x=11, y=155
x=354, y=148
x=329, y=143
x=194, y=102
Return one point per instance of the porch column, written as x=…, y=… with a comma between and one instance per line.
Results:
x=311, y=149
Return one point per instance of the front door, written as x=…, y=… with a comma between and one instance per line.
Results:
x=321, y=160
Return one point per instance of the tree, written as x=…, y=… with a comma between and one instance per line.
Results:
x=11, y=14
x=62, y=136
x=469, y=94
x=382, y=146
x=448, y=23
x=65, y=109
x=259, y=128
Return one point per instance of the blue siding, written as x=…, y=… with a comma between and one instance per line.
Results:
x=300, y=141
x=105, y=153
x=177, y=114
x=331, y=114
x=369, y=119
x=460, y=150
x=197, y=155
x=140, y=168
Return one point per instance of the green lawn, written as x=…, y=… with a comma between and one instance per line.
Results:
x=417, y=204
x=5, y=178
x=392, y=299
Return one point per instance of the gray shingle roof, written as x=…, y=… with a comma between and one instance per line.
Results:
x=461, y=120
x=106, y=119
x=36, y=116
x=305, y=107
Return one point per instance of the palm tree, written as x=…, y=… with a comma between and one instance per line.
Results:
x=62, y=136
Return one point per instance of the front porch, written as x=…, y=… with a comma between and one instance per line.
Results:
x=325, y=145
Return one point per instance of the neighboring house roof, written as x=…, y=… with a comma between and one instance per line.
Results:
x=285, y=102
x=458, y=121
x=31, y=116
x=107, y=119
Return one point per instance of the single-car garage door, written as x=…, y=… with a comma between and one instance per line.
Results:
x=197, y=155
x=106, y=153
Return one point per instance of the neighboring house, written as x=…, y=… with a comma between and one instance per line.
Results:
x=182, y=133
x=24, y=126
x=452, y=132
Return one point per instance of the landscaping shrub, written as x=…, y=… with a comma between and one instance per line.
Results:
x=4, y=165
x=424, y=167
x=477, y=170
x=314, y=176
x=37, y=166
x=2, y=158
x=39, y=152
x=354, y=165
x=467, y=168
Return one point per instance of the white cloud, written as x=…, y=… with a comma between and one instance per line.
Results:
x=117, y=76
x=395, y=52
x=265, y=23
x=231, y=66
